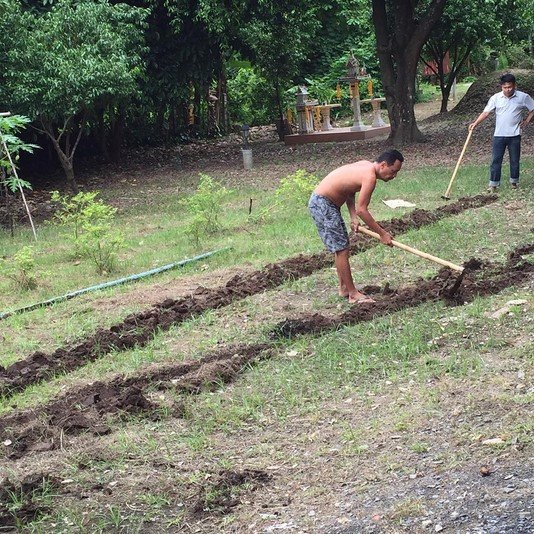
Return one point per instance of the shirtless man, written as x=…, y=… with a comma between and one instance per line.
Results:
x=338, y=188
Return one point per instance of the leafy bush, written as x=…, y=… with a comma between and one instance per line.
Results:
x=101, y=244
x=91, y=221
x=294, y=190
x=21, y=269
x=9, y=126
x=249, y=98
x=204, y=206
x=519, y=57
x=82, y=210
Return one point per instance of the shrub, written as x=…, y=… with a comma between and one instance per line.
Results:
x=100, y=244
x=91, y=221
x=21, y=269
x=204, y=206
x=81, y=210
x=294, y=190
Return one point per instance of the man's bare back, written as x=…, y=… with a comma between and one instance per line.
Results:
x=343, y=182
x=340, y=187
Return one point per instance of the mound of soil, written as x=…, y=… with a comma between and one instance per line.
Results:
x=85, y=409
x=482, y=89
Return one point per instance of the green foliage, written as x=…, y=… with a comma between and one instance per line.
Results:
x=249, y=100
x=204, y=206
x=101, y=244
x=9, y=127
x=82, y=210
x=276, y=36
x=71, y=57
x=294, y=191
x=296, y=188
x=21, y=269
x=518, y=56
x=91, y=221
x=65, y=65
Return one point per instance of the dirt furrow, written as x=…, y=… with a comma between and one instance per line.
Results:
x=138, y=329
x=83, y=409
x=480, y=279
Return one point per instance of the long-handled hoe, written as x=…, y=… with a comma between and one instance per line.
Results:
x=446, y=195
x=419, y=253
x=450, y=291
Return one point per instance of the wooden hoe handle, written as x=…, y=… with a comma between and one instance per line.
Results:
x=419, y=253
x=458, y=164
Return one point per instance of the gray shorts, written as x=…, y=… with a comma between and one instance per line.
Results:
x=329, y=222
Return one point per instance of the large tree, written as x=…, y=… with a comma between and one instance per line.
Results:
x=463, y=26
x=66, y=65
x=274, y=35
x=401, y=28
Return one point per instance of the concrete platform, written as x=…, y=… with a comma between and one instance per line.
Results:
x=337, y=134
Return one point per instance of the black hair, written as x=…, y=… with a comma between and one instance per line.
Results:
x=507, y=78
x=390, y=157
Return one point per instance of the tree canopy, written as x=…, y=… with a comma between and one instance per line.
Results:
x=99, y=73
x=66, y=64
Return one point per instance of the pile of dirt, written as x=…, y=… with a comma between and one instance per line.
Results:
x=86, y=408
x=484, y=87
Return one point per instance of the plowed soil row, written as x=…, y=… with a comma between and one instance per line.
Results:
x=83, y=409
x=448, y=285
x=138, y=329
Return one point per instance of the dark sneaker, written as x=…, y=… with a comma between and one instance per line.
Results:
x=514, y=186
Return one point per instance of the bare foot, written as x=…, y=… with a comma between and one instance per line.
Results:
x=360, y=298
x=343, y=291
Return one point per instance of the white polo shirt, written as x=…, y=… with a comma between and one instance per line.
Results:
x=508, y=112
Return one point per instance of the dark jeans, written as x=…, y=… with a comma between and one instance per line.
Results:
x=514, y=152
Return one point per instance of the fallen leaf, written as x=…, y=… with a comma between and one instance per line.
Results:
x=493, y=441
x=485, y=471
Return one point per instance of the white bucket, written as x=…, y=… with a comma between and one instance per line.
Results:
x=247, y=158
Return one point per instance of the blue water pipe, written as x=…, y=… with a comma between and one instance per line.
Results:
x=104, y=285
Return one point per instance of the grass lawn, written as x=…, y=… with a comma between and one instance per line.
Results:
x=334, y=421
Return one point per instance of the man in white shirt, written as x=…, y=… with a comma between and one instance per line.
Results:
x=509, y=106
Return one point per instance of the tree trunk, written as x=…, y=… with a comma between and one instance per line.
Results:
x=438, y=52
x=65, y=155
x=400, y=99
x=221, y=111
x=197, y=106
x=117, y=133
x=400, y=36
x=69, y=173
x=445, y=92
x=102, y=134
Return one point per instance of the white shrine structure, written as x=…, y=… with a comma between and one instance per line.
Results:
x=321, y=130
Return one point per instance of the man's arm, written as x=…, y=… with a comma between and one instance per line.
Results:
x=351, y=205
x=364, y=198
x=528, y=119
x=479, y=119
